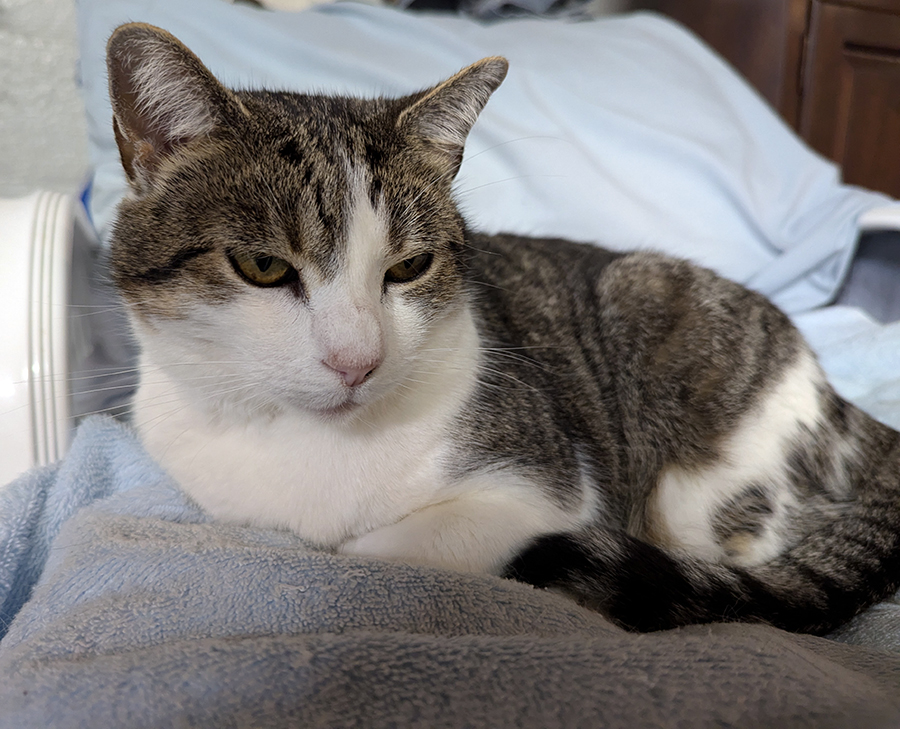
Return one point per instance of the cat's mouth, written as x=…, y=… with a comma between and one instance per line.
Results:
x=338, y=411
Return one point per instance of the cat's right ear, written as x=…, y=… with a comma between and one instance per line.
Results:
x=163, y=98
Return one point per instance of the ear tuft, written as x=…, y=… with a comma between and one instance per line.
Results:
x=162, y=97
x=443, y=116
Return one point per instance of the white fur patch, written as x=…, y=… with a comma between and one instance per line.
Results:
x=685, y=501
x=367, y=233
x=482, y=524
x=348, y=317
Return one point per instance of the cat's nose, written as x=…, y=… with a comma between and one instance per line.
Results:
x=353, y=375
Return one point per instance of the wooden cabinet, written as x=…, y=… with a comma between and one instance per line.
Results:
x=831, y=69
x=850, y=93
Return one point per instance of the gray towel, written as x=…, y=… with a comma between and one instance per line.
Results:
x=147, y=615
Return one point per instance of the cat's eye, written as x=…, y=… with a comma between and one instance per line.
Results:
x=409, y=269
x=263, y=270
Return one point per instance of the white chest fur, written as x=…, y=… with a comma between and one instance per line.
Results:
x=326, y=479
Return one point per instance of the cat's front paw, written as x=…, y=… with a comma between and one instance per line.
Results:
x=372, y=544
x=415, y=540
x=467, y=534
x=401, y=542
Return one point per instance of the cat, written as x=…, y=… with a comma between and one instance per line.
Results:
x=327, y=348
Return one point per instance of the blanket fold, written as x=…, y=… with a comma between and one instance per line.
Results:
x=143, y=613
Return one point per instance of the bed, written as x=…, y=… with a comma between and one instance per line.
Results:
x=121, y=604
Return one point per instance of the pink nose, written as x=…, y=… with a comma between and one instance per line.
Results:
x=352, y=375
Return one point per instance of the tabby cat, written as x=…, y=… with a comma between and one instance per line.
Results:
x=327, y=348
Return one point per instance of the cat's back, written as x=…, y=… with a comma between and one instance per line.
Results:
x=645, y=316
x=606, y=355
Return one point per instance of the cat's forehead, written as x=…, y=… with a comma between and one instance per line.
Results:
x=327, y=170
x=316, y=131
x=345, y=223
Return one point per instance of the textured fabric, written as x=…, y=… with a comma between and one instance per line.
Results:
x=34, y=507
x=146, y=615
x=860, y=356
x=626, y=131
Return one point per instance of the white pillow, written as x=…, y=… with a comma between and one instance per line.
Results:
x=625, y=131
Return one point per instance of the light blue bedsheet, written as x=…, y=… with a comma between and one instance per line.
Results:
x=625, y=131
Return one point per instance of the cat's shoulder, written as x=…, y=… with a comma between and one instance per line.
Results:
x=524, y=251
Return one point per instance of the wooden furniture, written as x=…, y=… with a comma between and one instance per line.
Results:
x=830, y=67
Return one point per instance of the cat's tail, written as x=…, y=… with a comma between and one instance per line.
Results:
x=833, y=573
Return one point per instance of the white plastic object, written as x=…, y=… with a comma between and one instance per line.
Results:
x=35, y=260
x=885, y=217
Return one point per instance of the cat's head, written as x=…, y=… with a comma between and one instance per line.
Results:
x=299, y=250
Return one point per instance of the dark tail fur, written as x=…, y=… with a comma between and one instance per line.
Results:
x=818, y=584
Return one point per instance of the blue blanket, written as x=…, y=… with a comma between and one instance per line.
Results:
x=122, y=605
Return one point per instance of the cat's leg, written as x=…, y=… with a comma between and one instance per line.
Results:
x=718, y=385
x=479, y=529
x=745, y=508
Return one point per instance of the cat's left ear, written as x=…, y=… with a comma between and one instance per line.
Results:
x=442, y=117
